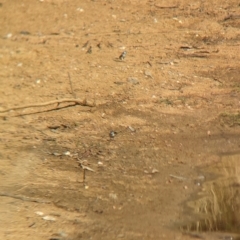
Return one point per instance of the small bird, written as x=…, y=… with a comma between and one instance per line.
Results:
x=123, y=55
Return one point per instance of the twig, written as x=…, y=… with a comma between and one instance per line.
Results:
x=32, y=224
x=165, y=6
x=231, y=17
x=84, y=175
x=173, y=89
x=70, y=81
x=84, y=170
x=177, y=177
x=85, y=167
x=76, y=101
x=24, y=198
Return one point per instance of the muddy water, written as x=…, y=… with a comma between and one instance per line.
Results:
x=216, y=207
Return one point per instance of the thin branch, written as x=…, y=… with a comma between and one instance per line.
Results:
x=76, y=101
x=70, y=81
x=23, y=198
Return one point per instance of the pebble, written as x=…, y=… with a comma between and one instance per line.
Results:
x=133, y=80
x=155, y=171
x=148, y=74
x=113, y=196
x=9, y=35
x=39, y=213
x=67, y=153
x=112, y=134
x=49, y=218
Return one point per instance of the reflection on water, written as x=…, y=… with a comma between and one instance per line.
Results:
x=217, y=206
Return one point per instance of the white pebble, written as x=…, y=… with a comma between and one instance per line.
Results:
x=67, y=153
x=39, y=213
x=49, y=218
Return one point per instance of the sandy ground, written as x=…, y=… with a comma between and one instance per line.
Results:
x=173, y=102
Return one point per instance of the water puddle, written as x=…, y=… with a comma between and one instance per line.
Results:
x=216, y=208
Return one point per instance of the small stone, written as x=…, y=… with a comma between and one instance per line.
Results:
x=113, y=196
x=9, y=35
x=133, y=80
x=57, y=154
x=112, y=134
x=39, y=213
x=123, y=55
x=67, y=153
x=80, y=9
x=148, y=74
x=155, y=171
x=49, y=218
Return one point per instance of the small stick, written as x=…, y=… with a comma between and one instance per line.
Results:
x=84, y=175
x=84, y=167
x=23, y=198
x=32, y=224
x=70, y=81
x=84, y=170
x=76, y=101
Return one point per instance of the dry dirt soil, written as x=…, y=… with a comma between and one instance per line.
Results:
x=173, y=102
